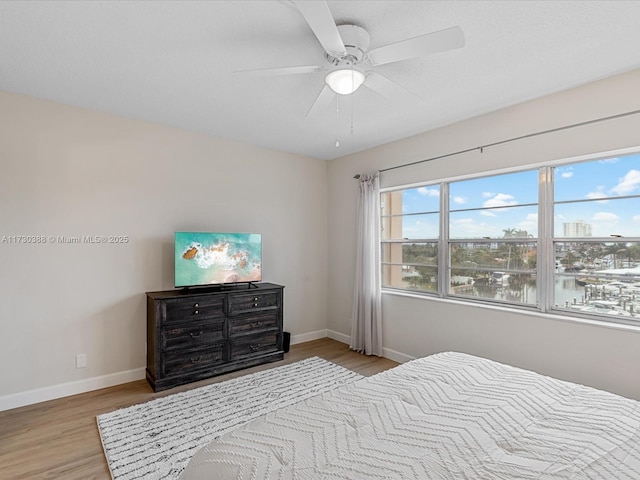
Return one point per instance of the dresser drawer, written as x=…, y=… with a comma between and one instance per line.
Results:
x=190, y=337
x=193, y=308
x=257, y=301
x=178, y=363
x=251, y=324
x=254, y=344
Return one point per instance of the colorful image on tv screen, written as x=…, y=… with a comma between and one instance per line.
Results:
x=215, y=258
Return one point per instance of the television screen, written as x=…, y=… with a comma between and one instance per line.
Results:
x=216, y=258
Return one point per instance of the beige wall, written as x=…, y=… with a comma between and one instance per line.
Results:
x=67, y=171
x=600, y=356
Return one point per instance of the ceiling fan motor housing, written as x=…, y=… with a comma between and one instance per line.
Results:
x=356, y=42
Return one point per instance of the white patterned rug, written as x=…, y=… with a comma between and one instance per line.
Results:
x=156, y=440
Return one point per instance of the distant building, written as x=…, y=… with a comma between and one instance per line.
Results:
x=577, y=229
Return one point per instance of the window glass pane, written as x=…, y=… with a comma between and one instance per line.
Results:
x=497, y=271
x=415, y=200
x=423, y=279
x=520, y=222
x=405, y=227
x=495, y=191
x=598, y=179
x=421, y=226
x=410, y=253
x=600, y=218
x=391, y=228
x=411, y=213
x=410, y=265
x=598, y=278
x=488, y=257
x=518, y=288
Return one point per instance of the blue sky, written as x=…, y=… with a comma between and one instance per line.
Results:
x=602, y=181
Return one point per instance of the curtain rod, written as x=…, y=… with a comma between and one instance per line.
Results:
x=509, y=140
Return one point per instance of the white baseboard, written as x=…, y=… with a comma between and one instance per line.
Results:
x=386, y=352
x=53, y=392
x=396, y=356
x=340, y=337
x=43, y=394
x=307, y=337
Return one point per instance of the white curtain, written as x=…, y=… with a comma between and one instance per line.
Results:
x=366, y=320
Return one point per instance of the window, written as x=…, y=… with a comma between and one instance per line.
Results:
x=493, y=229
x=596, y=225
x=560, y=238
x=410, y=233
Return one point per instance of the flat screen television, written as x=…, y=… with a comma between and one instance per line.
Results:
x=206, y=258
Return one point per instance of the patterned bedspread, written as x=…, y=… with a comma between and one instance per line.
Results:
x=447, y=416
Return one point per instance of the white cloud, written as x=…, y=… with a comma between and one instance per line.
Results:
x=609, y=160
x=607, y=217
x=530, y=223
x=636, y=218
x=628, y=184
x=459, y=200
x=488, y=194
x=469, y=228
x=429, y=192
x=463, y=221
x=487, y=213
x=565, y=172
x=599, y=193
x=420, y=230
x=607, y=223
x=500, y=200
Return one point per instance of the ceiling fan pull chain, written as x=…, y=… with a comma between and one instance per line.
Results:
x=337, y=120
x=352, y=101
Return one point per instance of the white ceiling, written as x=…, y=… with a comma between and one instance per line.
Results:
x=172, y=62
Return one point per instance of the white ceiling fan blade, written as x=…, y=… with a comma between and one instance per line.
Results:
x=389, y=89
x=443, y=40
x=319, y=18
x=276, y=72
x=323, y=99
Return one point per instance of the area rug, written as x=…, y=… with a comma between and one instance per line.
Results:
x=156, y=440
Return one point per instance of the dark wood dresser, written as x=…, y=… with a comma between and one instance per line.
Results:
x=198, y=333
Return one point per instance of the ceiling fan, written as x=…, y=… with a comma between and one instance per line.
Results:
x=350, y=63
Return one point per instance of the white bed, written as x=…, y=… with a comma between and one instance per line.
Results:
x=447, y=416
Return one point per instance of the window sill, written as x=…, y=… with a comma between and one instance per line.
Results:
x=524, y=311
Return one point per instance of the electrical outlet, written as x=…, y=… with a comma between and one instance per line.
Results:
x=81, y=360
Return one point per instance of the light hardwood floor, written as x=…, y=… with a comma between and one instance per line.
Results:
x=59, y=439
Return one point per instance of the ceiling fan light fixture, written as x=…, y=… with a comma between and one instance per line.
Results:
x=344, y=81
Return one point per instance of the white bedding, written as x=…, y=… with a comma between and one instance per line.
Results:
x=447, y=416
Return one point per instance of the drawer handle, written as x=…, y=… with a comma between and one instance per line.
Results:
x=196, y=360
x=255, y=304
x=196, y=305
x=196, y=335
x=254, y=348
x=255, y=299
x=195, y=312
